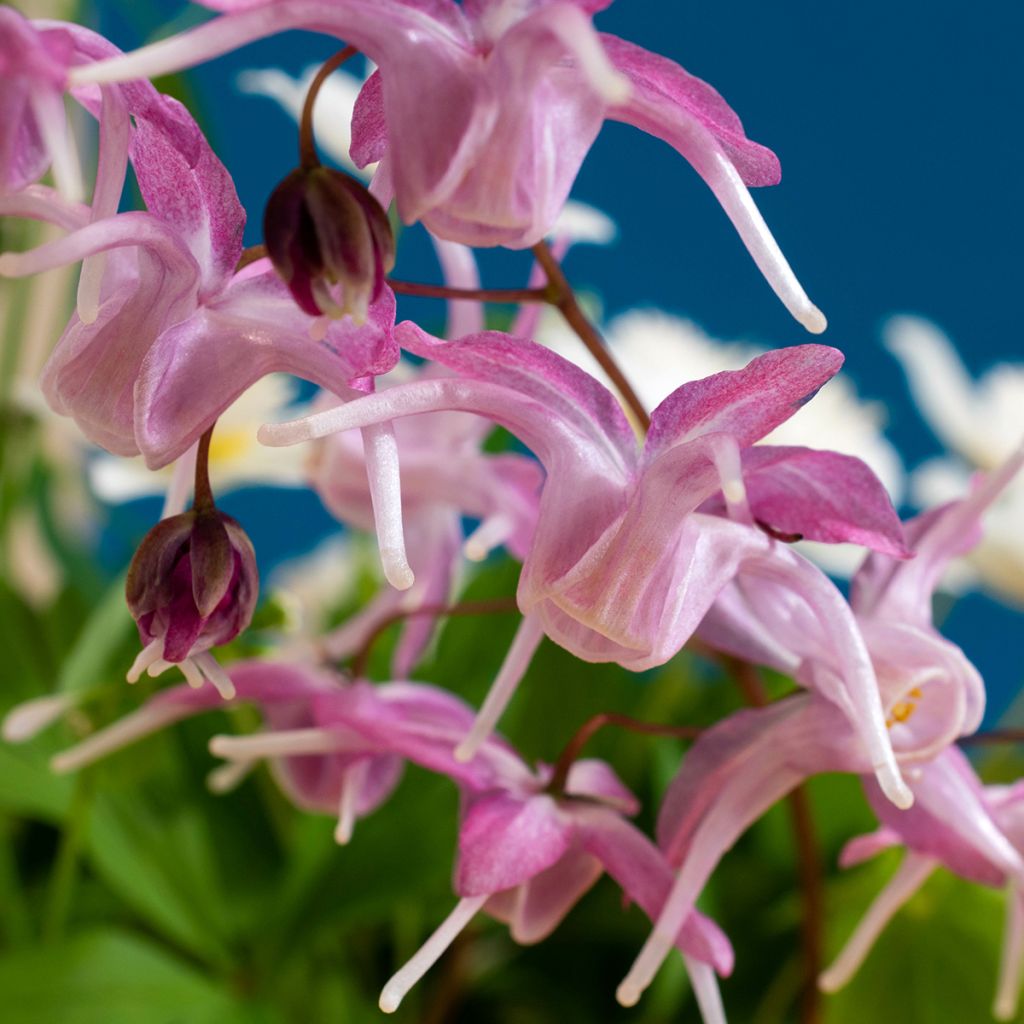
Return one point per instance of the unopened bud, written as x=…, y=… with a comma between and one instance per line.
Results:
x=193, y=583
x=330, y=241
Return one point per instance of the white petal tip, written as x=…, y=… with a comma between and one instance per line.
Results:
x=829, y=982
x=343, y=835
x=389, y=1001
x=813, y=320
x=465, y=751
x=61, y=765
x=1004, y=1009
x=280, y=435
x=893, y=786
x=29, y=718
x=88, y=314
x=616, y=88
x=627, y=994
x=473, y=551
x=396, y=569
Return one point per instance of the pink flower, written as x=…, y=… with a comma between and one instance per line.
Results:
x=192, y=585
x=178, y=334
x=931, y=694
x=977, y=832
x=335, y=748
x=526, y=856
x=624, y=565
x=482, y=113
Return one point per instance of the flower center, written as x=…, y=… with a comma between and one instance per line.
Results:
x=903, y=709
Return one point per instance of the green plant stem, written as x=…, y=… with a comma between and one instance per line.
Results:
x=65, y=868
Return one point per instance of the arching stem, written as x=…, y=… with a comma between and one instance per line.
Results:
x=308, y=158
x=567, y=305
x=493, y=607
x=589, y=728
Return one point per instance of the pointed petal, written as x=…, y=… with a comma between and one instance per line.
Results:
x=692, y=118
x=746, y=403
x=506, y=840
x=820, y=496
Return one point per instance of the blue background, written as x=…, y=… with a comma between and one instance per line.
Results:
x=897, y=129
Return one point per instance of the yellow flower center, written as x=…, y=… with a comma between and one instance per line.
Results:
x=903, y=709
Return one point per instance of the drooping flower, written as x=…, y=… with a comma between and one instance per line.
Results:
x=179, y=334
x=980, y=423
x=972, y=830
x=624, y=564
x=192, y=585
x=335, y=747
x=527, y=856
x=931, y=694
x=655, y=349
x=515, y=95
x=323, y=229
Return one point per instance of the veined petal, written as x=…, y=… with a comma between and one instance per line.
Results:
x=746, y=403
x=951, y=822
x=199, y=367
x=506, y=840
x=819, y=495
x=692, y=118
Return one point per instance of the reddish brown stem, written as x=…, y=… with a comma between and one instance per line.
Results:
x=565, y=300
x=586, y=731
x=202, y=494
x=495, y=606
x=808, y=860
x=308, y=158
x=250, y=255
x=511, y=296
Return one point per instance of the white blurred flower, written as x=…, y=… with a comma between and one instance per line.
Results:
x=332, y=112
x=236, y=458
x=980, y=422
x=658, y=352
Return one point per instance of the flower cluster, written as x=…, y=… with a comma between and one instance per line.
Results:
x=639, y=532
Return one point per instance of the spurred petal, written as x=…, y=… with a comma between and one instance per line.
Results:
x=692, y=118
x=645, y=876
x=745, y=403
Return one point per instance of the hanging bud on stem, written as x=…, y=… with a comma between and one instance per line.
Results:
x=192, y=585
x=328, y=238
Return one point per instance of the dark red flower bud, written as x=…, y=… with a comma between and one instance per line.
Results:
x=192, y=585
x=324, y=229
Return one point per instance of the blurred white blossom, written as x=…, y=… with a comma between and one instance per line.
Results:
x=980, y=422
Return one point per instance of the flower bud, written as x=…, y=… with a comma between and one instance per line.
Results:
x=192, y=584
x=323, y=228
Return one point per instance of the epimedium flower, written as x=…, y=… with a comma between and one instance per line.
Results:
x=482, y=113
x=624, y=563
x=527, y=855
x=930, y=692
x=179, y=332
x=656, y=349
x=335, y=746
x=975, y=831
x=192, y=585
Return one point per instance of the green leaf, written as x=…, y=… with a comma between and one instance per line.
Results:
x=936, y=961
x=162, y=866
x=90, y=659
x=108, y=976
x=28, y=787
